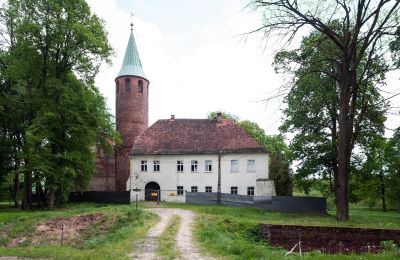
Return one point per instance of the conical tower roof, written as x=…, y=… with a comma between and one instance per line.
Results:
x=131, y=65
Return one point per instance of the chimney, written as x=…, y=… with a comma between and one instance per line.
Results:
x=172, y=118
x=219, y=116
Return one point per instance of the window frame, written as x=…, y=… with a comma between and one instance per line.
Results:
x=194, y=166
x=194, y=189
x=143, y=165
x=208, y=163
x=179, y=190
x=254, y=165
x=237, y=165
x=156, y=165
x=234, y=190
x=208, y=187
x=180, y=166
x=250, y=189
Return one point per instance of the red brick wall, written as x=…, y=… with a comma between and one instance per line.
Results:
x=328, y=239
x=132, y=120
x=104, y=176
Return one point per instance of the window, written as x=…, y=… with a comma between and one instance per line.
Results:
x=250, y=191
x=208, y=164
x=179, y=190
x=127, y=85
x=193, y=166
x=140, y=86
x=194, y=189
x=156, y=166
x=251, y=166
x=179, y=166
x=234, y=190
x=234, y=166
x=117, y=86
x=208, y=189
x=143, y=166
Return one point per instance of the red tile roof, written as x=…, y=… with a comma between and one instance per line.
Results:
x=195, y=136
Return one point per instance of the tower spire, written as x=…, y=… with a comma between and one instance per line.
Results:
x=131, y=66
x=132, y=14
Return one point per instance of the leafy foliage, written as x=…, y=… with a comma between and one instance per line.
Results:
x=51, y=53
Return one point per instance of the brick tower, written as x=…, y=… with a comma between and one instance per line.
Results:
x=132, y=92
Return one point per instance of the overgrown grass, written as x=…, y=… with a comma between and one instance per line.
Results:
x=167, y=241
x=233, y=233
x=359, y=217
x=110, y=238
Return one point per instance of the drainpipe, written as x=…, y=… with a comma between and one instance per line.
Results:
x=219, y=179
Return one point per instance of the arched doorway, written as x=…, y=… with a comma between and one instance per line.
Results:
x=151, y=187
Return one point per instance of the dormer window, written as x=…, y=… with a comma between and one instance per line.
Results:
x=140, y=87
x=127, y=85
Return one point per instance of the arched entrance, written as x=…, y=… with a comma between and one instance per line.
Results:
x=151, y=187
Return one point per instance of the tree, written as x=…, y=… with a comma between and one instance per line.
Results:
x=392, y=155
x=63, y=115
x=363, y=28
x=312, y=112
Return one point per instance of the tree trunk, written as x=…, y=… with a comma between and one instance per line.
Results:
x=27, y=201
x=50, y=203
x=40, y=195
x=381, y=177
x=16, y=189
x=344, y=147
x=58, y=198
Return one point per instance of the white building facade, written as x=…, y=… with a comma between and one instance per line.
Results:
x=242, y=172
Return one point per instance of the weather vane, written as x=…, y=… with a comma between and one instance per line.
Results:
x=132, y=14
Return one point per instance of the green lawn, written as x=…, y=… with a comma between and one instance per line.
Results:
x=110, y=238
x=233, y=233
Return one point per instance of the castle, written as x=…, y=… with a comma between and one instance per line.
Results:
x=176, y=155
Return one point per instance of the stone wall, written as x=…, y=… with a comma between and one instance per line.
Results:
x=104, y=176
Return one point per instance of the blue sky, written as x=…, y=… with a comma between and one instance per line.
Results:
x=197, y=60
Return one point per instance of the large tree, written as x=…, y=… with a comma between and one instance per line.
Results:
x=312, y=111
x=50, y=53
x=364, y=28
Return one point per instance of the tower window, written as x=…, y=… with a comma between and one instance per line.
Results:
x=140, y=87
x=127, y=85
x=117, y=86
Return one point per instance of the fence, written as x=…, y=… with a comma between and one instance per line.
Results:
x=122, y=197
x=314, y=205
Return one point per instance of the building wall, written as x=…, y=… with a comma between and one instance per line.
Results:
x=104, y=177
x=131, y=120
x=168, y=178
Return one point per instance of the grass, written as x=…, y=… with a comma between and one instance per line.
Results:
x=167, y=243
x=110, y=238
x=233, y=233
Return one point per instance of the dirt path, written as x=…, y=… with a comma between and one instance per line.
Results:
x=184, y=240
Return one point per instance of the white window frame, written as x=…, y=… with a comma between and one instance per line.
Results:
x=234, y=190
x=156, y=166
x=250, y=190
x=251, y=167
x=208, y=187
x=194, y=165
x=208, y=166
x=234, y=165
x=194, y=189
x=180, y=166
x=143, y=165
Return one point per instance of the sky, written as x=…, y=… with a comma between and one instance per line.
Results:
x=197, y=60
